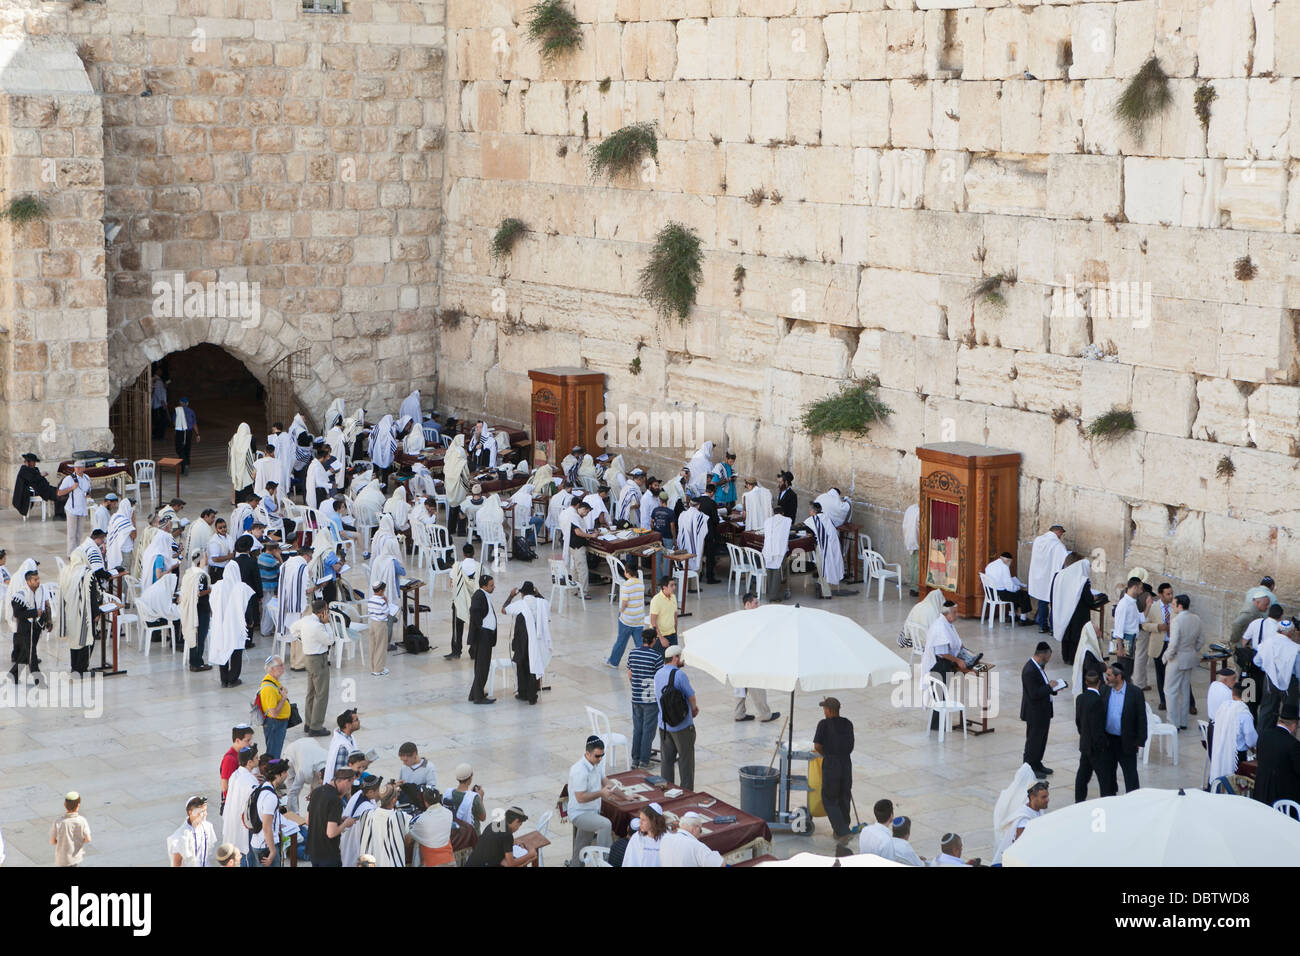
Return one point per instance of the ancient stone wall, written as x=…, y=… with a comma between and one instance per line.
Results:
x=866, y=163
x=288, y=160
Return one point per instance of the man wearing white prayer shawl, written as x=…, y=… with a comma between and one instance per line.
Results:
x=421, y=484
x=834, y=506
x=464, y=582
x=701, y=464
x=455, y=480
x=121, y=535
x=410, y=407
x=1280, y=661
x=30, y=612
x=1007, y=586
x=369, y=504
x=531, y=644
x=239, y=464
x=383, y=446
x=266, y=468
x=599, y=514
x=482, y=451
x=490, y=524
x=399, y=508
x=360, y=806
x=90, y=550
x=1089, y=647
x=682, y=847
x=776, y=548
x=1010, y=818
x=157, y=601
x=1234, y=734
x=78, y=604
x=1046, y=558
x=228, y=631
x=573, y=526
x=1070, y=603
x=338, y=447
x=692, y=529
x=912, y=543
x=319, y=484
x=159, y=558
x=522, y=500
x=616, y=476
x=284, y=454
x=241, y=519
x=334, y=414
x=561, y=500
x=829, y=557
x=570, y=463
x=588, y=476
x=241, y=786
x=757, y=504
x=194, y=620
x=292, y=599
x=944, y=653
x=628, y=504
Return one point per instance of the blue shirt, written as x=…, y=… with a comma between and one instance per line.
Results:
x=682, y=684
x=644, y=662
x=329, y=566
x=725, y=494
x=1114, y=708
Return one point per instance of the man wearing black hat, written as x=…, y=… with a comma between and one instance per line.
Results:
x=787, y=502
x=1278, y=775
x=31, y=481
x=1037, y=692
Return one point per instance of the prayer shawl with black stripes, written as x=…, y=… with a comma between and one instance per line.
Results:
x=292, y=593
x=77, y=601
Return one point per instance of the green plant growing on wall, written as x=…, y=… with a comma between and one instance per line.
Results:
x=1204, y=96
x=1225, y=469
x=738, y=277
x=1144, y=98
x=622, y=152
x=634, y=366
x=853, y=409
x=1245, y=269
x=508, y=233
x=989, y=289
x=21, y=210
x=552, y=24
x=604, y=85
x=1112, y=424
x=452, y=317
x=671, y=279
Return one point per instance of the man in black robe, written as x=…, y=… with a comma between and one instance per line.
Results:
x=30, y=482
x=528, y=684
x=482, y=638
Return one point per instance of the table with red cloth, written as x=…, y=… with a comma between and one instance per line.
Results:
x=118, y=475
x=621, y=546
x=754, y=539
x=725, y=838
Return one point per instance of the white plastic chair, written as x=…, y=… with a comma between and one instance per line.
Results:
x=756, y=568
x=446, y=441
x=739, y=567
x=280, y=645
x=601, y=728
x=994, y=607
x=595, y=856
x=35, y=500
x=864, y=545
x=685, y=576
x=918, y=635
x=440, y=549
x=507, y=668
x=941, y=704
x=147, y=631
x=61, y=563
x=561, y=583
x=1203, y=727
x=1158, y=730
x=876, y=569
x=430, y=434
x=344, y=643
x=615, y=576
x=544, y=828
x=492, y=535
x=1289, y=807
x=146, y=474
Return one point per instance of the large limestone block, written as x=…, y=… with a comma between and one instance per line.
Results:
x=910, y=114
x=1153, y=190
x=970, y=39
x=980, y=112
x=902, y=302
x=905, y=50
x=712, y=385
x=836, y=114
x=1180, y=472
x=945, y=180
x=1046, y=383
x=785, y=395
x=871, y=113
x=1092, y=40
x=1253, y=195
x=1225, y=38
x=1257, y=489
x=1029, y=433
x=1060, y=123
x=1007, y=186
x=900, y=428
x=1181, y=133
x=723, y=53
x=1164, y=402
x=1114, y=466
x=1088, y=187
x=1255, y=344
x=692, y=50
x=951, y=420
x=1104, y=385
x=1006, y=42
x=840, y=32
x=1268, y=115
x=1273, y=419
x=796, y=49
x=769, y=117
x=1022, y=110
x=1286, y=27
x=1049, y=31
x=1237, y=552
x=985, y=376
x=814, y=353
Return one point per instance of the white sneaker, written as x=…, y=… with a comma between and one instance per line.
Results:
x=382, y=673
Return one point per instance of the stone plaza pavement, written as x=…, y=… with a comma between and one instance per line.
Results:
x=163, y=730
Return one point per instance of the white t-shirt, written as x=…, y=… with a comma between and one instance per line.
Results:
x=76, y=504
x=268, y=804
x=584, y=778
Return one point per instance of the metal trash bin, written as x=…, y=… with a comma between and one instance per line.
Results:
x=758, y=791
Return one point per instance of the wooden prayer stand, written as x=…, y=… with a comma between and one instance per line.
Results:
x=108, y=623
x=566, y=408
x=175, y=465
x=981, y=726
x=411, y=591
x=681, y=560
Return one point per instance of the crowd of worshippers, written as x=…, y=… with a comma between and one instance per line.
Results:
x=324, y=801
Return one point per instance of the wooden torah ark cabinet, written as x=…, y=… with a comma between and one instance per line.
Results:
x=566, y=410
x=970, y=513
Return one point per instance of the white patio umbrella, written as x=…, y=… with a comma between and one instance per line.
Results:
x=1160, y=828
x=814, y=859
x=788, y=648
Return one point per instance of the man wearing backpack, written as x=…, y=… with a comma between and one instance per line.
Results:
x=273, y=703
x=263, y=817
x=677, y=713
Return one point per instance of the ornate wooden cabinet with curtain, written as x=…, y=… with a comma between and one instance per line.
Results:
x=970, y=512
x=565, y=408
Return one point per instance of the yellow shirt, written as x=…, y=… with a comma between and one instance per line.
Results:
x=663, y=611
x=275, y=702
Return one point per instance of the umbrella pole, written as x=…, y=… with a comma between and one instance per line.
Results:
x=777, y=749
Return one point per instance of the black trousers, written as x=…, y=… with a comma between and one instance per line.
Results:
x=940, y=670
x=200, y=642
x=1117, y=760
x=482, y=654
x=1018, y=598
x=837, y=791
x=230, y=671
x=457, y=632
x=24, y=652
x=1160, y=678
x=80, y=659
x=1089, y=763
x=183, y=443
x=1036, y=741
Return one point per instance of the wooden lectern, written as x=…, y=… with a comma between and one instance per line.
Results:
x=566, y=406
x=970, y=513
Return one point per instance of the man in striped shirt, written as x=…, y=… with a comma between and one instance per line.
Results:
x=631, y=613
x=381, y=614
x=642, y=664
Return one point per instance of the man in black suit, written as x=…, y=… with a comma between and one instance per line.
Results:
x=713, y=539
x=1124, y=713
x=1036, y=707
x=1278, y=776
x=482, y=638
x=1090, y=720
x=787, y=502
